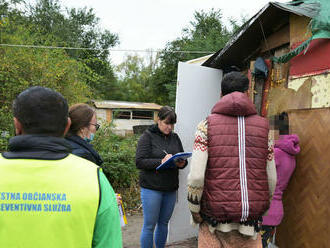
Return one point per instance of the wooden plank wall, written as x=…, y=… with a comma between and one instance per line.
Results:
x=299, y=30
x=109, y=115
x=306, y=201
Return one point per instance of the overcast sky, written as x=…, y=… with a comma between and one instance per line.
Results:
x=149, y=24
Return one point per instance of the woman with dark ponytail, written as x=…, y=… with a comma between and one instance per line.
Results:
x=158, y=187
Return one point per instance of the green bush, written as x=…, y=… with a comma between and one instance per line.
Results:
x=4, y=139
x=118, y=154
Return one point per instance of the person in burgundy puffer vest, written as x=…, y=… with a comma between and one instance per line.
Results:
x=228, y=184
x=285, y=149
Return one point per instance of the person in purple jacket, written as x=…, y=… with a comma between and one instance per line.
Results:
x=285, y=149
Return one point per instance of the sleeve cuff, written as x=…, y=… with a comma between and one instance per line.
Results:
x=194, y=207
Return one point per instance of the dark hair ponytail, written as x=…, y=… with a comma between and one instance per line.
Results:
x=167, y=113
x=80, y=115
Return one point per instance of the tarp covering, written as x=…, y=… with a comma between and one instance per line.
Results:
x=319, y=11
x=306, y=9
x=286, y=57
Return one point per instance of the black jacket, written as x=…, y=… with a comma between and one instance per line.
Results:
x=83, y=149
x=149, y=154
x=37, y=147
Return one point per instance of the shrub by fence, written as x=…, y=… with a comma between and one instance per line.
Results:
x=119, y=167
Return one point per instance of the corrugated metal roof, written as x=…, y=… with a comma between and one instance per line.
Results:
x=247, y=40
x=125, y=105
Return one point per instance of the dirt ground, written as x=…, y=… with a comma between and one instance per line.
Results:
x=131, y=234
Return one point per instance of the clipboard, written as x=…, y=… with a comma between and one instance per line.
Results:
x=170, y=163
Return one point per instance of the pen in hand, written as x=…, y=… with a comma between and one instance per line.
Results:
x=167, y=156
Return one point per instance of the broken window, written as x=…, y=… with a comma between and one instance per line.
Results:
x=143, y=114
x=119, y=114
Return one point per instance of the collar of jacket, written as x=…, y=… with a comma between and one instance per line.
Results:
x=234, y=104
x=34, y=146
x=155, y=129
x=80, y=141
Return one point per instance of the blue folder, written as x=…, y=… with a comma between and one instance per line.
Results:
x=170, y=163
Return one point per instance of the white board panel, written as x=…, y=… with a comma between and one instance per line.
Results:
x=198, y=89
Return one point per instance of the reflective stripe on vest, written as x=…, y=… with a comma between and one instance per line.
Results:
x=48, y=203
x=242, y=168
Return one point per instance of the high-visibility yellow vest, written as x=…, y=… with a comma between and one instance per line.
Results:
x=48, y=203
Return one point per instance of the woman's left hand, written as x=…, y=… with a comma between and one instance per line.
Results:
x=180, y=163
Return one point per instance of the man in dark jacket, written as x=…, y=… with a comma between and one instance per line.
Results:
x=227, y=183
x=49, y=197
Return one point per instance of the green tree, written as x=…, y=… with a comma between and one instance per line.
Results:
x=207, y=32
x=135, y=79
x=21, y=68
x=77, y=74
x=77, y=28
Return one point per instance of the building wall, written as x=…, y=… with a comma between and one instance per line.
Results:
x=122, y=126
x=312, y=66
x=128, y=124
x=299, y=29
x=109, y=115
x=304, y=81
x=101, y=114
x=320, y=89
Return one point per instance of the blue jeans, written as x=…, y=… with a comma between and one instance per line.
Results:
x=157, y=209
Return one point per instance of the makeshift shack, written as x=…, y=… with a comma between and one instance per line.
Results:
x=285, y=51
x=125, y=115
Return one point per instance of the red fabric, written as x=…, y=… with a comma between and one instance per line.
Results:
x=315, y=61
x=221, y=198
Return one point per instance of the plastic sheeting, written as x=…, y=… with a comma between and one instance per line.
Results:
x=320, y=24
